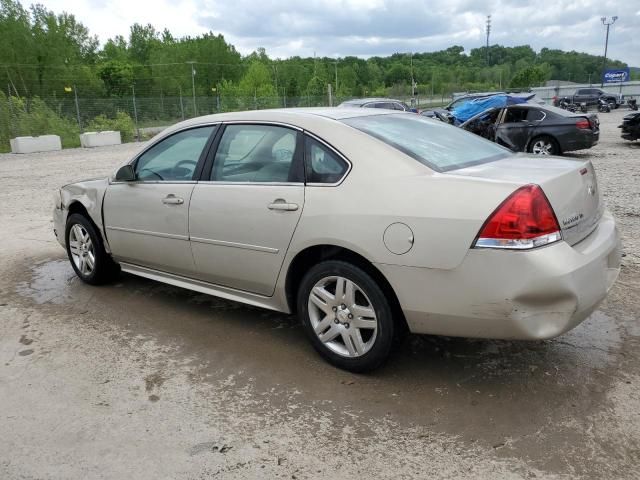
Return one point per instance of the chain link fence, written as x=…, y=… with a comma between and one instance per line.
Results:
x=137, y=117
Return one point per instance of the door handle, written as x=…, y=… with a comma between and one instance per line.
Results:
x=281, y=204
x=171, y=199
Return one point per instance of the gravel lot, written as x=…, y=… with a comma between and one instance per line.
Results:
x=143, y=380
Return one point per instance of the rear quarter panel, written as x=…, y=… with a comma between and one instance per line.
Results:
x=445, y=212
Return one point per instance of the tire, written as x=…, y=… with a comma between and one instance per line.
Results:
x=90, y=261
x=355, y=332
x=544, y=145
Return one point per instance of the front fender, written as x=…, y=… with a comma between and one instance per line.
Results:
x=90, y=194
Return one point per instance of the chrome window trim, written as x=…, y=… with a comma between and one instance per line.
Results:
x=153, y=182
x=544, y=115
x=261, y=122
x=246, y=184
x=340, y=155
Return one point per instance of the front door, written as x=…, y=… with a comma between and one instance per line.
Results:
x=146, y=220
x=244, y=212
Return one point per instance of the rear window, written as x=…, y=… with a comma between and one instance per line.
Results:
x=435, y=144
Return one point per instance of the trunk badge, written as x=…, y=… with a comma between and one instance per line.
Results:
x=591, y=189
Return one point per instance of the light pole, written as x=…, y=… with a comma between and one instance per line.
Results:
x=413, y=83
x=606, y=22
x=488, y=33
x=335, y=64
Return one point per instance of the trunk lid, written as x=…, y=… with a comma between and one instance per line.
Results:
x=570, y=185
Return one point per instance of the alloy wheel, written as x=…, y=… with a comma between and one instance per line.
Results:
x=82, y=249
x=342, y=316
x=542, y=147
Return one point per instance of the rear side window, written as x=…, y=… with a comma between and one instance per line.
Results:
x=257, y=153
x=322, y=165
x=435, y=144
x=535, y=115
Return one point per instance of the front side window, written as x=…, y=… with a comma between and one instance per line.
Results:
x=322, y=165
x=257, y=153
x=174, y=158
x=435, y=144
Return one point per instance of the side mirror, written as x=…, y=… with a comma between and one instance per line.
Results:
x=125, y=174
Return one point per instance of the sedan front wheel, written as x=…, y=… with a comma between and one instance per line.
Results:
x=88, y=257
x=346, y=315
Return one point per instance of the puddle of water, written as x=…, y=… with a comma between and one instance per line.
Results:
x=51, y=282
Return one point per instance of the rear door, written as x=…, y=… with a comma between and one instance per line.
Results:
x=245, y=208
x=517, y=128
x=146, y=220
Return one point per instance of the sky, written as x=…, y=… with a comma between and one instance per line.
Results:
x=337, y=28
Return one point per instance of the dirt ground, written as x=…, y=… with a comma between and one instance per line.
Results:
x=147, y=381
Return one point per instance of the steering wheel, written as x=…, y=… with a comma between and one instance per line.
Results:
x=150, y=171
x=282, y=154
x=177, y=166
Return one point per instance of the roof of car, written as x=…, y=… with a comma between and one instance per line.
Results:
x=362, y=101
x=302, y=117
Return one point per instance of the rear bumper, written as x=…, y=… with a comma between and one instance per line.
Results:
x=582, y=140
x=530, y=295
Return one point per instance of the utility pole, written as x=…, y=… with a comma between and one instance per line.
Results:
x=413, y=83
x=193, y=87
x=488, y=33
x=275, y=73
x=606, y=22
x=335, y=64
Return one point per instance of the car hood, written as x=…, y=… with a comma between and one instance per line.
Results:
x=88, y=181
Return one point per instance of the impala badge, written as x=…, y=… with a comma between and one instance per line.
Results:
x=572, y=221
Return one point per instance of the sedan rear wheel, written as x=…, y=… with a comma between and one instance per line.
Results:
x=346, y=315
x=544, y=145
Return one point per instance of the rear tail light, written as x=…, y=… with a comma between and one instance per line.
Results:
x=583, y=124
x=524, y=220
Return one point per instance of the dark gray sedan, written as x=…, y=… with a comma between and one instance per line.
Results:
x=542, y=130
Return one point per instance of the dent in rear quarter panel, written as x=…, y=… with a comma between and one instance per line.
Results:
x=90, y=194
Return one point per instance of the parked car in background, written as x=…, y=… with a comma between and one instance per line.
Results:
x=365, y=222
x=386, y=103
x=631, y=126
x=590, y=97
x=442, y=113
x=541, y=130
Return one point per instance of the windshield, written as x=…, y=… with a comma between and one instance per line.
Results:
x=435, y=144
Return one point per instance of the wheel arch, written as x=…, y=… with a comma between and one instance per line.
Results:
x=76, y=206
x=549, y=135
x=315, y=254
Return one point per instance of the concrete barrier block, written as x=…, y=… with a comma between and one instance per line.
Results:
x=43, y=143
x=100, y=139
